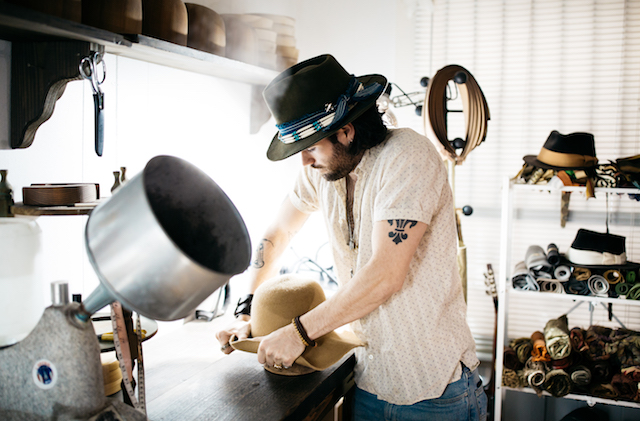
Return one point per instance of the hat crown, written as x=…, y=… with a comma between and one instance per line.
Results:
x=306, y=88
x=572, y=143
x=277, y=301
x=600, y=242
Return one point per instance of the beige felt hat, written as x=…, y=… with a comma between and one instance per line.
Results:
x=275, y=303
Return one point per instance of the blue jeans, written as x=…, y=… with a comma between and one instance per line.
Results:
x=463, y=400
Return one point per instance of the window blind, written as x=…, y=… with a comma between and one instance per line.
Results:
x=543, y=65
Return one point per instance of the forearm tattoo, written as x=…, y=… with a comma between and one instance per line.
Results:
x=258, y=258
x=398, y=234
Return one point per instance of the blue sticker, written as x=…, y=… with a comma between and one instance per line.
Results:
x=44, y=374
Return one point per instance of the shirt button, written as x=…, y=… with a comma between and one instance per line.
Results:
x=370, y=357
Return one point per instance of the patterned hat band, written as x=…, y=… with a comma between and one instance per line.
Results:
x=332, y=114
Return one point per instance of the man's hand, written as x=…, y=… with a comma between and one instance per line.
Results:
x=280, y=348
x=241, y=328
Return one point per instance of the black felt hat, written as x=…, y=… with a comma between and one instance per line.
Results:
x=561, y=152
x=597, y=250
x=314, y=99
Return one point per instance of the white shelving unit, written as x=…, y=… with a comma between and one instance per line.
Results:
x=564, y=302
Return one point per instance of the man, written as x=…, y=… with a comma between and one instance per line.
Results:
x=388, y=207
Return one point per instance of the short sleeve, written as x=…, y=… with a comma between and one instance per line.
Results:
x=411, y=184
x=304, y=195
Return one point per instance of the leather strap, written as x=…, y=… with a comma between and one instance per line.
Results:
x=474, y=107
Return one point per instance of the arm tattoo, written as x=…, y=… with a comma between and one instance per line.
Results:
x=258, y=259
x=398, y=234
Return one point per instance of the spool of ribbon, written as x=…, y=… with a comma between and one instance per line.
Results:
x=613, y=276
x=622, y=288
x=539, y=351
x=598, y=285
x=631, y=276
x=634, y=292
x=550, y=285
x=556, y=337
x=562, y=273
x=558, y=383
x=522, y=279
x=574, y=286
x=581, y=376
x=581, y=274
x=474, y=107
x=552, y=254
x=534, y=372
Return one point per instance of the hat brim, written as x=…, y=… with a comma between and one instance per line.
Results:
x=533, y=160
x=626, y=266
x=278, y=150
x=331, y=348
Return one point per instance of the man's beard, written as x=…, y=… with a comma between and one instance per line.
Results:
x=342, y=163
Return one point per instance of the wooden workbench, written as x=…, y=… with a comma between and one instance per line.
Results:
x=188, y=378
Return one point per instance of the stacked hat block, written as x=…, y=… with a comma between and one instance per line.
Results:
x=598, y=361
x=264, y=40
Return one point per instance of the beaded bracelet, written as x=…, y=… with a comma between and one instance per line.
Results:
x=303, y=333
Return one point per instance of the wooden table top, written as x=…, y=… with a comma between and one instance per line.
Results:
x=195, y=382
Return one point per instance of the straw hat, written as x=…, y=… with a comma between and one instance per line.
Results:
x=275, y=303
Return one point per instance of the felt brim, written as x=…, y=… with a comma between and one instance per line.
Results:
x=625, y=267
x=533, y=160
x=278, y=151
x=331, y=348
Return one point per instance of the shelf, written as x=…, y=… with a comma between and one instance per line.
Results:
x=20, y=24
x=591, y=400
x=78, y=209
x=505, y=289
x=575, y=297
x=46, y=51
x=580, y=189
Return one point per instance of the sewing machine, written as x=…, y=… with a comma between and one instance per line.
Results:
x=163, y=242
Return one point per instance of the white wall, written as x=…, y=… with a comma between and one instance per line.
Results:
x=152, y=110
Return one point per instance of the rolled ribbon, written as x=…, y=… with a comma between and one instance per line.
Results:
x=598, y=285
x=634, y=292
x=557, y=383
x=535, y=372
x=539, y=350
x=622, y=288
x=556, y=336
x=553, y=256
x=562, y=273
x=535, y=258
x=581, y=274
x=550, y=285
x=581, y=376
x=613, y=276
x=522, y=347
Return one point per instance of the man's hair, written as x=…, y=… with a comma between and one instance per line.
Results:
x=370, y=131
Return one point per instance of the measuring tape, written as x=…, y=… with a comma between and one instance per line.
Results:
x=123, y=352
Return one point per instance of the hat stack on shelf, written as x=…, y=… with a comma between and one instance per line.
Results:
x=264, y=40
x=286, y=51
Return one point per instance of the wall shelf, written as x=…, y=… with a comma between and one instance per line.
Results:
x=46, y=51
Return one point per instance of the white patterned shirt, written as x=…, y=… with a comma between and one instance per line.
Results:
x=416, y=340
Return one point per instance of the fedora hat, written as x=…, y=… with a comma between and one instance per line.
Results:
x=314, y=99
x=570, y=151
x=276, y=302
x=596, y=250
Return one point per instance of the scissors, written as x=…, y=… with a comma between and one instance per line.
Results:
x=94, y=70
